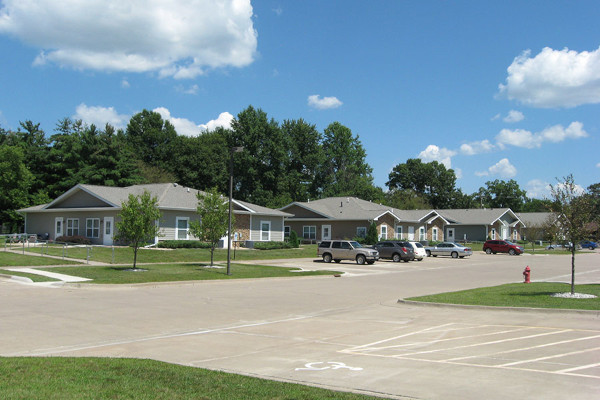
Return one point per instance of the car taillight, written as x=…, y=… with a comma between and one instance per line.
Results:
x=405, y=249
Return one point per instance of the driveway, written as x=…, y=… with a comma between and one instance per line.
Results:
x=346, y=333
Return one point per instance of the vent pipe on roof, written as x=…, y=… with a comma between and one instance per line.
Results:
x=188, y=190
x=175, y=184
x=341, y=204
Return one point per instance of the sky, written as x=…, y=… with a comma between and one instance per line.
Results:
x=492, y=89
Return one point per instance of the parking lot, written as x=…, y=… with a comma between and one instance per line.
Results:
x=346, y=333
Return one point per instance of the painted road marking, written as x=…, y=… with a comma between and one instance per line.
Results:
x=451, y=338
x=334, y=365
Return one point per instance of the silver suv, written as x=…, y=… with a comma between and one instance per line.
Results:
x=338, y=250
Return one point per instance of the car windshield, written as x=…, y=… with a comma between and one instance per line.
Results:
x=418, y=244
x=356, y=245
x=510, y=243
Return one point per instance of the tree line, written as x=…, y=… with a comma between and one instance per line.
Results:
x=280, y=163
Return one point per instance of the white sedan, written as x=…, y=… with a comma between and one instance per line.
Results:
x=451, y=249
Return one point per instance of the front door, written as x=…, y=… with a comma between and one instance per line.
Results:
x=326, y=232
x=504, y=230
x=450, y=235
x=108, y=231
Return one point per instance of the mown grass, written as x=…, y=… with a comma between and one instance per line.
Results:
x=33, y=277
x=19, y=260
x=534, y=295
x=179, y=272
x=124, y=255
x=103, y=378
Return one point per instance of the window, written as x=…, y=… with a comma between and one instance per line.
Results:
x=108, y=227
x=422, y=233
x=361, y=231
x=515, y=235
x=72, y=227
x=182, y=228
x=434, y=234
x=286, y=231
x=383, y=232
x=265, y=231
x=92, y=227
x=493, y=233
x=399, y=232
x=309, y=232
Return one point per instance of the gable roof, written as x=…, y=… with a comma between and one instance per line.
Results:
x=170, y=196
x=477, y=216
x=353, y=209
x=535, y=218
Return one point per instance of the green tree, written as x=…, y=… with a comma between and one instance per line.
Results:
x=536, y=205
x=293, y=239
x=372, y=237
x=431, y=180
x=406, y=199
x=573, y=210
x=214, y=219
x=260, y=169
x=137, y=224
x=502, y=194
x=345, y=171
x=15, y=181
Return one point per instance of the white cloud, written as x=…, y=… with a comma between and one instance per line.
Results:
x=529, y=140
x=188, y=90
x=503, y=168
x=472, y=148
x=537, y=189
x=495, y=117
x=514, y=116
x=598, y=165
x=224, y=120
x=554, y=78
x=172, y=37
x=186, y=127
x=125, y=84
x=324, y=103
x=435, y=153
x=100, y=116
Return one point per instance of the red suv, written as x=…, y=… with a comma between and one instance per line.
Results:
x=502, y=246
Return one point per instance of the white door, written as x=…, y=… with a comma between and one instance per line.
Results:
x=109, y=227
x=504, y=233
x=449, y=235
x=411, y=233
x=58, y=227
x=326, y=232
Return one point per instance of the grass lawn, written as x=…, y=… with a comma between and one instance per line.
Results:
x=180, y=272
x=536, y=295
x=19, y=260
x=106, y=378
x=33, y=277
x=124, y=255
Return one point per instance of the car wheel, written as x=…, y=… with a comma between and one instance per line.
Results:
x=428, y=253
x=406, y=260
x=337, y=260
x=454, y=254
x=327, y=258
x=396, y=257
x=488, y=251
x=511, y=252
x=420, y=259
x=360, y=259
x=462, y=256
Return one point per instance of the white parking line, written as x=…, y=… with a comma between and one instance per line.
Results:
x=547, y=357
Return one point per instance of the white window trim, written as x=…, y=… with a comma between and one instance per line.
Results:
x=287, y=230
x=95, y=229
x=70, y=226
x=381, y=232
x=422, y=233
x=493, y=234
x=399, y=231
x=434, y=234
x=304, y=230
x=262, y=231
x=187, y=229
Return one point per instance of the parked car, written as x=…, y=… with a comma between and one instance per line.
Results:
x=451, y=249
x=419, y=250
x=559, y=246
x=338, y=250
x=588, y=244
x=395, y=250
x=502, y=246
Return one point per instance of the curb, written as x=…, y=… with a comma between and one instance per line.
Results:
x=496, y=308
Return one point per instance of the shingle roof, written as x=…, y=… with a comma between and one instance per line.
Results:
x=353, y=208
x=534, y=218
x=169, y=195
x=473, y=216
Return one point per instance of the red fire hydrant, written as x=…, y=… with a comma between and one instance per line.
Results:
x=527, y=274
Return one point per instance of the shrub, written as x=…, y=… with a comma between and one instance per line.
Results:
x=272, y=245
x=372, y=237
x=293, y=239
x=73, y=240
x=183, y=244
x=360, y=239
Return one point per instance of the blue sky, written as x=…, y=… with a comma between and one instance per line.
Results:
x=493, y=89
